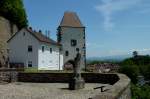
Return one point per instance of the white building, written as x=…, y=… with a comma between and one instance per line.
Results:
x=33, y=49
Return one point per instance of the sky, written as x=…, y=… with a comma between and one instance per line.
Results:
x=113, y=27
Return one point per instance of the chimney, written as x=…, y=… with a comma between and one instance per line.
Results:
x=40, y=31
x=30, y=28
x=47, y=33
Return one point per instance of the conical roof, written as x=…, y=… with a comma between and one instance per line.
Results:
x=70, y=19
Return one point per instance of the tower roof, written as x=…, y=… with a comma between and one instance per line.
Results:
x=70, y=19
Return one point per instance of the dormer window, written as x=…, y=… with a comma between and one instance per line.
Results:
x=73, y=42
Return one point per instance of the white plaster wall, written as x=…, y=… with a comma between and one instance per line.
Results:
x=61, y=61
x=42, y=60
x=19, y=49
x=47, y=60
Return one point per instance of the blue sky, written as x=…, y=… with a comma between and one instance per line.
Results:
x=113, y=27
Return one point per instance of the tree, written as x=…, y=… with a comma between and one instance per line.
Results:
x=132, y=71
x=140, y=92
x=135, y=54
x=14, y=11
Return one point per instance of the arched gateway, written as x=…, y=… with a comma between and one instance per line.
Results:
x=69, y=65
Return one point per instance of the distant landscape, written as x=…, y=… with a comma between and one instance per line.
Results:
x=136, y=67
x=116, y=58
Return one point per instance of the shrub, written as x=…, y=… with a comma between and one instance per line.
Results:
x=140, y=92
x=131, y=71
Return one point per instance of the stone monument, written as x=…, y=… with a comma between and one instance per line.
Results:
x=77, y=82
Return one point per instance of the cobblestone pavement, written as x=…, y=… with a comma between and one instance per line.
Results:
x=21, y=90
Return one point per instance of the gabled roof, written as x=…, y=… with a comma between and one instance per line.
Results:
x=39, y=36
x=70, y=19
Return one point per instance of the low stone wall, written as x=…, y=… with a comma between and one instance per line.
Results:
x=65, y=77
x=120, y=90
x=8, y=75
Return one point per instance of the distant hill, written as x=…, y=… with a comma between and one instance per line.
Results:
x=110, y=58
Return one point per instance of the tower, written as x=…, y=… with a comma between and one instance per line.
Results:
x=71, y=35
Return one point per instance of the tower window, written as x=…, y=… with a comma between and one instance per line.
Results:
x=84, y=48
x=43, y=48
x=30, y=48
x=50, y=50
x=73, y=42
x=77, y=49
x=67, y=53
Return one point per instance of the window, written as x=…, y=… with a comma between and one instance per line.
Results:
x=73, y=42
x=77, y=49
x=67, y=53
x=30, y=48
x=23, y=33
x=84, y=48
x=50, y=50
x=83, y=37
x=29, y=63
x=43, y=48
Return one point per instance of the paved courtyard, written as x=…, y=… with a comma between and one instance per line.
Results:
x=21, y=90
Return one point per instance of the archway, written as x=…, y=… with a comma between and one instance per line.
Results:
x=69, y=65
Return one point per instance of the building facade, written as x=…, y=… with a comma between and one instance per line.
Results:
x=71, y=35
x=34, y=49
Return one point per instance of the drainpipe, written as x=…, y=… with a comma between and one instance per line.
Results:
x=59, y=58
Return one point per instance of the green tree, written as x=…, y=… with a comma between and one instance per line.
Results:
x=145, y=71
x=140, y=92
x=132, y=71
x=135, y=54
x=14, y=11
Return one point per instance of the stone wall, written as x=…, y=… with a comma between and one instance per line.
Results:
x=9, y=75
x=120, y=90
x=7, y=29
x=65, y=77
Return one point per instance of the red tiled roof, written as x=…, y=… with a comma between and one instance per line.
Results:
x=39, y=36
x=71, y=19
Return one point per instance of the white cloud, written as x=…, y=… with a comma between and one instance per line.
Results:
x=141, y=50
x=125, y=52
x=145, y=11
x=110, y=7
x=116, y=52
x=94, y=45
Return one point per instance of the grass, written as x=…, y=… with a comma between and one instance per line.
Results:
x=35, y=70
